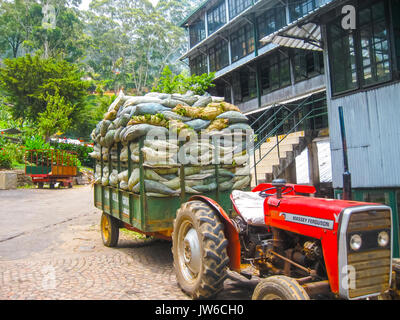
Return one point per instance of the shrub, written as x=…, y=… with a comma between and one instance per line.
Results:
x=5, y=159
x=36, y=143
x=81, y=151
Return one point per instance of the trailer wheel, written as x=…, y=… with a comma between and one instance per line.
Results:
x=109, y=230
x=40, y=185
x=279, y=288
x=199, y=250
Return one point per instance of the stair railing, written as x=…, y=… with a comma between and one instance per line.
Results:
x=279, y=126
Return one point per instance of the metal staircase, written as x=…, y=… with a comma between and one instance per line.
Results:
x=282, y=133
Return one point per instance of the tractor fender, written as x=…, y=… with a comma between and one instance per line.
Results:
x=231, y=232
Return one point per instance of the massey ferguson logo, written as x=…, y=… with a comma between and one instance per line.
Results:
x=309, y=221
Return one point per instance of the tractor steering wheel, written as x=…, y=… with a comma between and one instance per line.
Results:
x=285, y=190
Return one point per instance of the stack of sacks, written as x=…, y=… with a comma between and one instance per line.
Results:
x=162, y=118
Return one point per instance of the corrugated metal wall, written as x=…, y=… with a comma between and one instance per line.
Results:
x=372, y=122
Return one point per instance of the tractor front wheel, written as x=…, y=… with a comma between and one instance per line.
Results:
x=109, y=230
x=279, y=288
x=199, y=250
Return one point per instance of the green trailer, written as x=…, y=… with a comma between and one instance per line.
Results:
x=151, y=216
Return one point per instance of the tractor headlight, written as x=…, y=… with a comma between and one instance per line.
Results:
x=383, y=239
x=355, y=242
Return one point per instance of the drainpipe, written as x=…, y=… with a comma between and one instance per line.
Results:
x=347, y=194
x=258, y=75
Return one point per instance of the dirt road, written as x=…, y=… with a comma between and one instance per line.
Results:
x=51, y=248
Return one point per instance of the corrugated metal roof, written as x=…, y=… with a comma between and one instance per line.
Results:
x=286, y=101
x=307, y=36
x=227, y=26
x=302, y=33
x=196, y=10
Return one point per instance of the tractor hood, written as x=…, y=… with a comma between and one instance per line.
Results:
x=292, y=212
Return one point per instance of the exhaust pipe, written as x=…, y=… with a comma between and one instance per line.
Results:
x=347, y=192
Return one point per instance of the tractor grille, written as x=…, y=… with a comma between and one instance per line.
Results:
x=372, y=263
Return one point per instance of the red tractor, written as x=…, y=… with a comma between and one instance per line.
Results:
x=302, y=247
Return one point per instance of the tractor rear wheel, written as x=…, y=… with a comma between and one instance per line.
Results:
x=199, y=250
x=279, y=288
x=109, y=230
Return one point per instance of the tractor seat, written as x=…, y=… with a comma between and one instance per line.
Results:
x=250, y=205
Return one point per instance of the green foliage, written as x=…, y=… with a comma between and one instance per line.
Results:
x=28, y=82
x=90, y=115
x=132, y=40
x=36, y=142
x=5, y=159
x=81, y=151
x=56, y=117
x=11, y=154
x=171, y=83
x=26, y=26
x=200, y=84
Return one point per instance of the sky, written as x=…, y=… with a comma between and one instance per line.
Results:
x=85, y=4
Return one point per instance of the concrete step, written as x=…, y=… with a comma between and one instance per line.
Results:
x=271, y=155
x=284, y=147
x=274, y=162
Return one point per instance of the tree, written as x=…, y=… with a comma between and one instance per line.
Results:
x=56, y=117
x=17, y=20
x=171, y=83
x=132, y=40
x=53, y=27
x=60, y=32
x=28, y=81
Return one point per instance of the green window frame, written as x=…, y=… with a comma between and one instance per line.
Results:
x=219, y=56
x=395, y=10
x=242, y=42
x=216, y=17
x=361, y=58
x=197, y=32
x=307, y=64
x=342, y=58
x=238, y=6
x=374, y=42
x=299, y=8
x=270, y=21
x=248, y=84
x=275, y=72
x=198, y=65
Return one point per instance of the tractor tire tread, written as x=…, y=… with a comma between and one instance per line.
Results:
x=215, y=258
x=287, y=288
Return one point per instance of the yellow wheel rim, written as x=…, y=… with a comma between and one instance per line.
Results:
x=105, y=228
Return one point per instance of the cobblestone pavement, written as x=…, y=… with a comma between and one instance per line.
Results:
x=74, y=265
x=138, y=271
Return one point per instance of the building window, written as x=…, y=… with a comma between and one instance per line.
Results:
x=216, y=17
x=238, y=6
x=275, y=72
x=307, y=64
x=198, y=65
x=396, y=28
x=219, y=56
x=270, y=21
x=299, y=8
x=242, y=42
x=374, y=44
x=248, y=85
x=342, y=58
x=197, y=32
x=361, y=58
